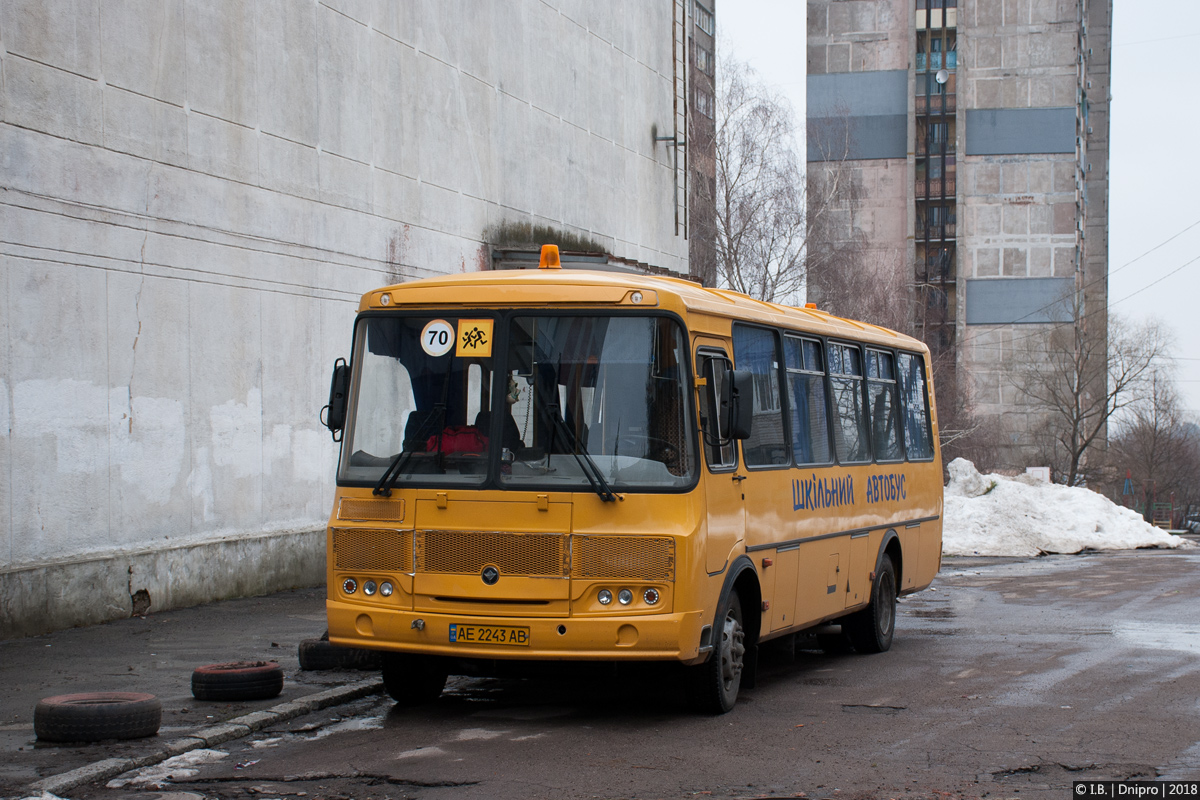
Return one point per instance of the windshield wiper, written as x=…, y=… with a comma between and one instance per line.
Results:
x=392, y=473
x=587, y=465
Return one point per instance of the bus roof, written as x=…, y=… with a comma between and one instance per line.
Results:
x=576, y=288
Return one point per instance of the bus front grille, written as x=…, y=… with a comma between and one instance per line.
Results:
x=362, y=548
x=468, y=552
x=549, y=555
x=624, y=557
x=382, y=510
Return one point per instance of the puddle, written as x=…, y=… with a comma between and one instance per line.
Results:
x=872, y=708
x=363, y=724
x=930, y=613
x=421, y=752
x=1160, y=635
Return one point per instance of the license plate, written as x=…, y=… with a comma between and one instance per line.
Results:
x=489, y=634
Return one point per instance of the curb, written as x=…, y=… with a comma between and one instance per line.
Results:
x=208, y=737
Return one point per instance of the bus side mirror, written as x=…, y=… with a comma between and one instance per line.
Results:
x=741, y=403
x=333, y=415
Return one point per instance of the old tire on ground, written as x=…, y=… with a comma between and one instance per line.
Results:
x=238, y=680
x=413, y=680
x=94, y=716
x=714, y=684
x=871, y=629
x=319, y=654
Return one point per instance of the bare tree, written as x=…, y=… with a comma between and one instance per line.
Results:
x=1078, y=380
x=760, y=229
x=869, y=286
x=1155, y=441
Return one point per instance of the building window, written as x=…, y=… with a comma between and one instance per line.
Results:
x=704, y=20
x=704, y=60
x=704, y=103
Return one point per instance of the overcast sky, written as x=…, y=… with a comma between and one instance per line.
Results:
x=1154, y=162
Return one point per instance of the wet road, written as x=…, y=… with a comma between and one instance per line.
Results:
x=1009, y=680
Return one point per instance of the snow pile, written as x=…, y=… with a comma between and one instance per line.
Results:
x=992, y=515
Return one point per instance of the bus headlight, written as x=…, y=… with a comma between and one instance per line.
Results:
x=625, y=596
x=349, y=586
x=605, y=597
x=650, y=596
x=369, y=588
x=386, y=589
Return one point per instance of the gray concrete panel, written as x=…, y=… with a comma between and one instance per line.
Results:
x=858, y=138
x=394, y=108
x=241, y=175
x=286, y=70
x=65, y=34
x=1004, y=301
x=221, y=148
x=143, y=47
x=344, y=85
x=858, y=94
x=221, y=61
x=144, y=127
x=51, y=100
x=1019, y=131
x=147, y=442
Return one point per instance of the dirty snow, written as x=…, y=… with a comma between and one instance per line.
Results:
x=994, y=515
x=156, y=776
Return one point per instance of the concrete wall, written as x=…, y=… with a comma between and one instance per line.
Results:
x=859, y=121
x=192, y=197
x=1021, y=209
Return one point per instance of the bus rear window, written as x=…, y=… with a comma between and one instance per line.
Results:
x=914, y=398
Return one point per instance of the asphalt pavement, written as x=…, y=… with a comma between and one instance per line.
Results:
x=1010, y=672
x=157, y=654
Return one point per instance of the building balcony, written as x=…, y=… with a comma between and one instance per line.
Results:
x=925, y=147
x=935, y=233
x=934, y=187
x=936, y=103
x=932, y=62
x=934, y=277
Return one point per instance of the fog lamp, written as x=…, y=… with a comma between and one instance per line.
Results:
x=386, y=589
x=369, y=588
x=605, y=597
x=650, y=596
x=349, y=586
x=625, y=596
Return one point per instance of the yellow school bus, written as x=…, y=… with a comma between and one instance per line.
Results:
x=558, y=464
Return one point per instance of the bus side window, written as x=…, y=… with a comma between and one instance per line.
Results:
x=914, y=400
x=846, y=380
x=719, y=456
x=757, y=350
x=883, y=406
x=809, y=400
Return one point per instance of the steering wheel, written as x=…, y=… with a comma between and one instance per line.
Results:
x=661, y=449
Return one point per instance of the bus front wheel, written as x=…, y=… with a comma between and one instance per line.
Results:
x=715, y=683
x=871, y=629
x=413, y=680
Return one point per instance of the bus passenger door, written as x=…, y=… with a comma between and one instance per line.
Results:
x=724, y=500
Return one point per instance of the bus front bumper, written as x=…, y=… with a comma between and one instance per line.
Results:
x=650, y=637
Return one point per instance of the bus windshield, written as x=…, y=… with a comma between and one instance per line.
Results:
x=560, y=400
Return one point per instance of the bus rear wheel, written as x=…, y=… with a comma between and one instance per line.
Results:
x=871, y=629
x=413, y=680
x=715, y=683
